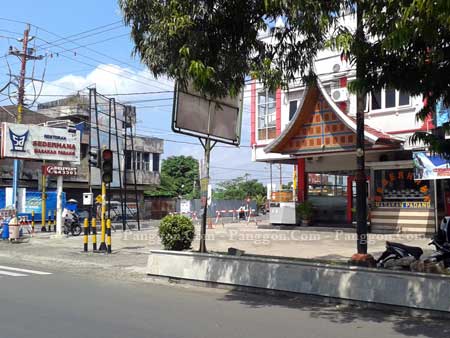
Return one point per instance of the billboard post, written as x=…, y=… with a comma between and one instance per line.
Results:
x=209, y=119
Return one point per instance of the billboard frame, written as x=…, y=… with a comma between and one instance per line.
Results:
x=175, y=128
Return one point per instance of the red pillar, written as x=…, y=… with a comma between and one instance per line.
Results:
x=253, y=113
x=278, y=111
x=349, y=198
x=302, y=180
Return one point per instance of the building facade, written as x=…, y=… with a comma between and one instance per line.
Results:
x=74, y=111
x=312, y=128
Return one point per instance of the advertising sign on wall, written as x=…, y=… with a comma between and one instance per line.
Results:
x=54, y=170
x=430, y=167
x=33, y=142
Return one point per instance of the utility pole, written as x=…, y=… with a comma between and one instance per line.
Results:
x=21, y=95
x=24, y=56
x=361, y=257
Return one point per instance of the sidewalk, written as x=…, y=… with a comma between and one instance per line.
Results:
x=130, y=248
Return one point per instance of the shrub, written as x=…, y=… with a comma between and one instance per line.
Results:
x=305, y=210
x=176, y=232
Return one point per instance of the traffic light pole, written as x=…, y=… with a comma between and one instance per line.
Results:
x=102, y=220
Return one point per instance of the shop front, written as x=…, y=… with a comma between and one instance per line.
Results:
x=399, y=203
x=320, y=140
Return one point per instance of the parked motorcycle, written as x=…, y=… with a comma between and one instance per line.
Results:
x=403, y=256
x=396, y=251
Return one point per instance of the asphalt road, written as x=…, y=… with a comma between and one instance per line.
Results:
x=65, y=305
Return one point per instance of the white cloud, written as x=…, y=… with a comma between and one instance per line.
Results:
x=155, y=119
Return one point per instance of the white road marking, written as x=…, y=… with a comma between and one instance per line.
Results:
x=34, y=272
x=13, y=274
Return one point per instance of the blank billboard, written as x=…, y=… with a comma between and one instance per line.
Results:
x=198, y=115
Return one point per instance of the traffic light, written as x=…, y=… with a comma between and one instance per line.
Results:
x=94, y=158
x=107, y=166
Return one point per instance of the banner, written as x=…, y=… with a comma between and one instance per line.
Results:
x=31, y=142
x=430, y=167
x=442, y=113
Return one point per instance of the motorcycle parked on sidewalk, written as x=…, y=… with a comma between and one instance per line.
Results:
x=399, y=255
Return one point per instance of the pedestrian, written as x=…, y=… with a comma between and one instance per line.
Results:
x=13, y=225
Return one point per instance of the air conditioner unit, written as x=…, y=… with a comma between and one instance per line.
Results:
x=339, y=94
x=336, y=68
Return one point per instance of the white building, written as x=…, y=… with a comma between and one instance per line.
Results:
x=313, y=128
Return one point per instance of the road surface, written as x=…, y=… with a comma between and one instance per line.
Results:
x=54, y=303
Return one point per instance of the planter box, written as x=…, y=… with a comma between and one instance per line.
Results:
x=415, y=290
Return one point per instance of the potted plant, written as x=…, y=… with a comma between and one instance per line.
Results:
x=305, y=212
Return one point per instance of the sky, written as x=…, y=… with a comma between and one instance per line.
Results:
x=86, y=44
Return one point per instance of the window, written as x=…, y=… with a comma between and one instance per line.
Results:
x=376, y=100
x=138, y=160
x=292, y=108
x=128, y=160
x=403, y=99
x=395, y=186
x=266, y=116
x=388, y=99
x=146, y=161
x=155, y=162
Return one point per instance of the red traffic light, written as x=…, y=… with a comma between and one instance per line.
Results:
x=107, y=155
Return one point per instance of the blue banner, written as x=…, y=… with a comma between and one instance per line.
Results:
x=430, y=167
x=442, y=113
x=33, y=202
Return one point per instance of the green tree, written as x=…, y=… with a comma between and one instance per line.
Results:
x=215, y=44
x=179, y=177
x=411, y=52
x=239, y=189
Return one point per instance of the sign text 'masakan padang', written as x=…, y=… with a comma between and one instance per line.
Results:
x=32, y=142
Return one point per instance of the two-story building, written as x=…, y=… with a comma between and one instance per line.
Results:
x=137, y=157
x=312, y=128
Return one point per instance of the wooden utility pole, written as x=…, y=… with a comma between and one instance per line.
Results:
x=24, y=55
x=20, y=101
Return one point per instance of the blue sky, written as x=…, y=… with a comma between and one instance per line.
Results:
x=103, y=57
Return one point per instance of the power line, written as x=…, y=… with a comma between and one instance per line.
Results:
x=104, y=55
x=82, y=33
x=120, y=94
x=95, y=60
x=237, y=169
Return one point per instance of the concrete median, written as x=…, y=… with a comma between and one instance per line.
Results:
x=414, y=290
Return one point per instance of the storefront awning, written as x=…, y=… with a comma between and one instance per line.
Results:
x=320, y=126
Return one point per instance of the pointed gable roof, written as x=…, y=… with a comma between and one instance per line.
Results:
x=319, y=125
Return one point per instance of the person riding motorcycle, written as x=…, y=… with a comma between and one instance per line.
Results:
x=71, y=222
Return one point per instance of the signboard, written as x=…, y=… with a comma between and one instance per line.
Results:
x=87, y=198
x=442, y=113
x=54, y=170
x=198, y=115
x=403, y=205
x=430, y=167
x=185, y=206
x=33, y=142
